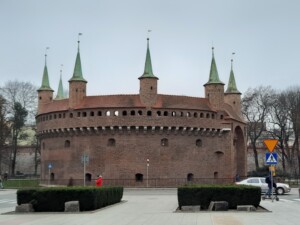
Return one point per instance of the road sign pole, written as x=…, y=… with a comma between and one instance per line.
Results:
x=49, y=173
x=84, y=170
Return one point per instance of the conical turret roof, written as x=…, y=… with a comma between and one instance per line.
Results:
x=60, y=90
x=148, y=73
x=231, y=83
x=45, y=82
x=213, y=75
x=77, y=74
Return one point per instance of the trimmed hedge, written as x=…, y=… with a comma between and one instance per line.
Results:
x=53, y=199
x=234, y=194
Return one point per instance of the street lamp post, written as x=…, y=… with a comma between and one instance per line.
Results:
x=147, y=172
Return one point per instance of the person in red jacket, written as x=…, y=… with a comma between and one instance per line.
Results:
x=99, y=181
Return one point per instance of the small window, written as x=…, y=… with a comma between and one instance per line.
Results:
x=44, y=145
x=59, y=115
x=199, y=143
x=207, y=115
x=116, y=113
x=164, y=142
x=92, y=113
x=139, y=177
x=173, y=114
x=149, y=113
x=132, y=113
x=151, y=88
x=181, y=114
x=188, y=114
x=140, y=112
x=50, y=117
x=52, y=176
x=40, y=98
x=190, y=177
x=64, y=115
x=212, y=116
x=221, y=117
x=71, y=115
x=99, y=113
x=201, y=115
x=84, y=114
x=54, y=116
x=165, y=113
x=195, y=115
x=107, y=113
x=124, y=113
x=67, y=144
x=159, y=113
x=216, y=175
x=78, y=114
x=88, y=177
x=111, y=142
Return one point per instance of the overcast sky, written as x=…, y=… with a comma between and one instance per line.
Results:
x=264, y=34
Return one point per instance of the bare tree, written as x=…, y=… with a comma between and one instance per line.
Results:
x=4, y=134
x=256, y=105
x=23, y=92
x=281, y=128
x=293, y=99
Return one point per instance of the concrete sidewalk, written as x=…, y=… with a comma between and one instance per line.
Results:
x=157, y=207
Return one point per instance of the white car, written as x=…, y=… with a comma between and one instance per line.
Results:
x=261, y=182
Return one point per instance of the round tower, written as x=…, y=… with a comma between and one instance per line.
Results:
x=77, y=84
x=214, y=88
x=45, y=92
x=148, y=82
x=232, y=95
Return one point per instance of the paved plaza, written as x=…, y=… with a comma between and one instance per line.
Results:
x=157, y=207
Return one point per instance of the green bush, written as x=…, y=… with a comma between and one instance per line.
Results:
x=53, y=199
x=20, y=183
x=233, y=194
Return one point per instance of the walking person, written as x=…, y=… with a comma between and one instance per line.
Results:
x=99, y=181
x=1, y=184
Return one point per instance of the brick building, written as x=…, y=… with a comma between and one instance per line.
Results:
x=183, y=138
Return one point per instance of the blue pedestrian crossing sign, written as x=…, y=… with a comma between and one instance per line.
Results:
x=271, y=158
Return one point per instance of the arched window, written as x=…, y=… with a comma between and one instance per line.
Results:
x=195, y=115
x=173, y=114
x=138, y=177
x=99, y=113
x=92, y=113
x=190, y=177
x=52, y=176
x=201, y=115
x=215, y=175
x=107, y=113
x=212, y=116
x=124, y=113
x=165, y=113
x=140, y=112
x=132, y=113
x=116, y=113
x=149, y=113
x=199, y=143
x=88, y=177
x=84, y=114
x=111, y=142
x=67, y=144
x=188, y=114
x=71, y=115
x=207, y=115
x=164, y=142
x=159, y=113
x=78, y=114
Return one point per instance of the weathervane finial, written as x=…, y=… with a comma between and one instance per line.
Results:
x=79, y=34
x=46, y=55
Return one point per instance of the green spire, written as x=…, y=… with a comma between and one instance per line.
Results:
x=148, y=65
x=60, y=91
x=213, y=75
x=45, y=82
x=231, y=83
x=77, y=75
